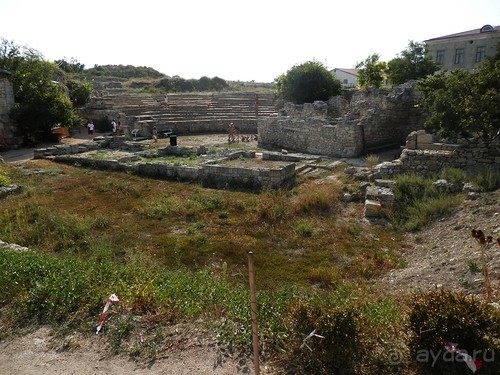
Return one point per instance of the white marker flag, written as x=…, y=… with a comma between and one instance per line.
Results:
x=472, y=363
x=112, y=298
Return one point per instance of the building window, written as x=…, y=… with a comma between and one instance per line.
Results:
x=346, y=81
x=459, y=56
x=480, y=54
x=440, y=57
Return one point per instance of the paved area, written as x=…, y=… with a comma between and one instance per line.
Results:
x=26, y=153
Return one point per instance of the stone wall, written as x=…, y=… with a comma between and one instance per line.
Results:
x=425, y=157
x=212, y=174
x=6, y=104
x=371, y=120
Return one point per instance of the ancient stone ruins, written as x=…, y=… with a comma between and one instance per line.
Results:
x=370, y=121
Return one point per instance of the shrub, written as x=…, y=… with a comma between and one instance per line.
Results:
x=485, y=179
x=453, y=175
x=372, y=160
x=317, y=198
x=444, y=316
x=337, y=351
x=419, y=202
x=304, y=229
x=272, y=207
x=411, y=188
x=423, y=212
x=4, y=177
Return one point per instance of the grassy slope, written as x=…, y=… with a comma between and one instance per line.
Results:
x=305, y=236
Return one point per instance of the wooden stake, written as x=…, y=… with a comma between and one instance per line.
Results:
x=253, y=306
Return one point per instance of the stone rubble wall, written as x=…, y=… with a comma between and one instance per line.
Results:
x=209, y=174
x=372, y=120
x=6, y=104
x=425, y=157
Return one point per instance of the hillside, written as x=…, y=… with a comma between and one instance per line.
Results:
x=444, y=255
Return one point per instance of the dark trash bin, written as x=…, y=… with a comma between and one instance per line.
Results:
x=173, y=140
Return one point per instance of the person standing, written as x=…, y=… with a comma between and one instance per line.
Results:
x=113, y=127
x=231, y=129
x=90, y=130
x=155, y=134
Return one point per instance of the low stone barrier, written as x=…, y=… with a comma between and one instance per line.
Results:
x=212, y=173
x=425, y=157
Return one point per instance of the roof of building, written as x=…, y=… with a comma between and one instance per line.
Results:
x=482, y=30
x=354, y=72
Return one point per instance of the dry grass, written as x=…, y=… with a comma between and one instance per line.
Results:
x=301, y=236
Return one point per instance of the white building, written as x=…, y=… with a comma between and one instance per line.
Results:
x=347, y=77
x=466, y=49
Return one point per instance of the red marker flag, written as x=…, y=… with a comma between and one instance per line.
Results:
x=473, y=363
x=112, y=298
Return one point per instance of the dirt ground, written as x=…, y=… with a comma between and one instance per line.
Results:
x=36, y=353
x=443, y=255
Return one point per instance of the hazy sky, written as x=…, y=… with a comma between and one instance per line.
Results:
x=234, y=39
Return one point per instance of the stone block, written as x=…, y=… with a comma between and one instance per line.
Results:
x=385, y=183
x=431, y=146
x=450, y=147
x=386, y=195
x=372, y=208
x=411, y=144
x=424, y=138
x=372, y=192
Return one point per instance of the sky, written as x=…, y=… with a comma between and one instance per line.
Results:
x=237, y=40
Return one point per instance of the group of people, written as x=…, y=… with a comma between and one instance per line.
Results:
x=234, y=135
x=115, y=126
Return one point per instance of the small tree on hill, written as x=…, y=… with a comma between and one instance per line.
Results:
x=218, y=83
x=307, y=82
x=204, y=84
x=73, y=66
x=371, y=71
x=79, y=91
x=412, y=64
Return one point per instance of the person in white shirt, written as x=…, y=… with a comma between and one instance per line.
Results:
x=90, y=130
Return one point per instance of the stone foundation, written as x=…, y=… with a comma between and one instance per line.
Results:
x=423, y=157
x=212, y=173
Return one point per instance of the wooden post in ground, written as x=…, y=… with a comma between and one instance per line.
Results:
x=253, y=306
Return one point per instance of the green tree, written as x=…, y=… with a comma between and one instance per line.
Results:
x=371, y=71
x=40, y=95
x=11, y=55
x=463, y=103
x=79, y=91
x=41, y=103
x=412, y=64
x=218, y=83
x=204, y=84
x=307, y=82
x=124, y=71
x=73, y=66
